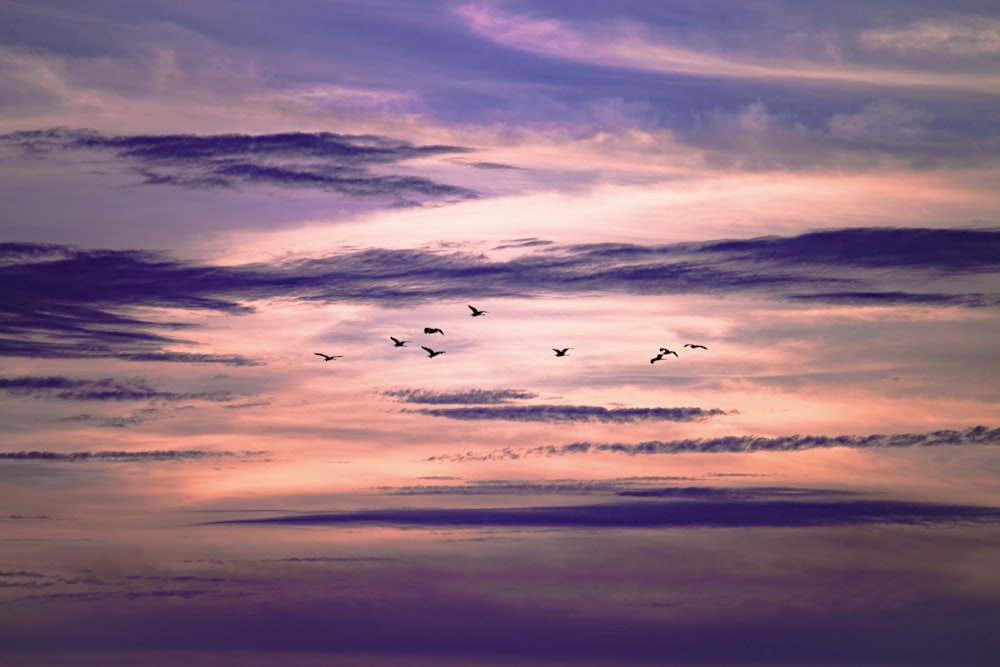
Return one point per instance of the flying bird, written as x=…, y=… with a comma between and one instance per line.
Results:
x=328, y=357
x=431, y=353
x=562, y=352
x=397, y=342
x=695, y=345
x=476, y=312
x=664, y=351
x=431, y=330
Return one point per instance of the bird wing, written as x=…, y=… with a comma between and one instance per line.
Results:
x=429, y=350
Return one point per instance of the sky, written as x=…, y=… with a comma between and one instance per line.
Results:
x=732, y=399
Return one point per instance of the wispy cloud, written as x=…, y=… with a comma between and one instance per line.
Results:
x=325, y=161
x=60, y=301
x=977, y=435
x=126, y=457
x=962, y=36
x=633, y=45
x=103, y=389
x=571, y=413
x=134, y=418
x=522, y=487
x=649, y=514
x=467, y=397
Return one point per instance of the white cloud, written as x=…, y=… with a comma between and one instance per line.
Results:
x=960, y=36
x=631, y=45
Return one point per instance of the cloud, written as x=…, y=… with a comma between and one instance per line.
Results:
x=322, y=160
x=64, y=302
x=961, y=36
x=521, y=488
x=571, y=413
x=125, y=457
x=945, y=250
x=977, y=435
x=650, y=514
x=104, y=389
x=470, y=396
x=117, y=421
x=620, y=43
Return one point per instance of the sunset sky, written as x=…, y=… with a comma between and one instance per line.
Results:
x=199, y=197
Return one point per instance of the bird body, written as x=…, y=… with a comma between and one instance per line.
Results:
x=397, y=342
x=658, y=357
x=665, y=351
x=328, y=357
x=432, y=330
x=431, y=353
x=562, y=352
x=476, y=312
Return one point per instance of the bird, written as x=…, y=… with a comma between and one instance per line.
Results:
x=432, y=330
x=562, y=352
x=658, y=357
x=664, y=351
x=328, y=357
x=431, y=353
x=397, y=342
x=695, y=345
x=476, y=312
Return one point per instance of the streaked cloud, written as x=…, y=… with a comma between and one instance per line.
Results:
x=111, y=456
x=679, y=514
x=325, y=161
x=631, y=44
x=63, y=302
x=103, y=389
x=527, y=487
x=555, y=414
x=963, y=36
x=470, y=396
x=977, y=435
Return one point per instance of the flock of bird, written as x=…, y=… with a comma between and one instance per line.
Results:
x=560, y=352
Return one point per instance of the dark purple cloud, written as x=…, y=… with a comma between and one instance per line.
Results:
x=521, y=488
x=61, y=301
x=946, y=250
x=125, y=457
x=687, y=513
x=470, y=396
x=977, y=435
x=103, y=389
x=571, y=413
x=326, y=161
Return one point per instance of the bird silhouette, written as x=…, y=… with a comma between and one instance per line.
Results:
x=665, y=351
x=328, y=357
x=476, y=312
x=562, y=352
x=695, y=345
x=658, y=357
x=397, y=342
x=432, y=330
x=431, y=353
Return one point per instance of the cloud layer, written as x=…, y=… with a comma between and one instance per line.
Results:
x=333, y=162
x=61, y=301
x=686, y=513
x=977, y=435
x=123, y=456
x=555, y=414
x=103, y=389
